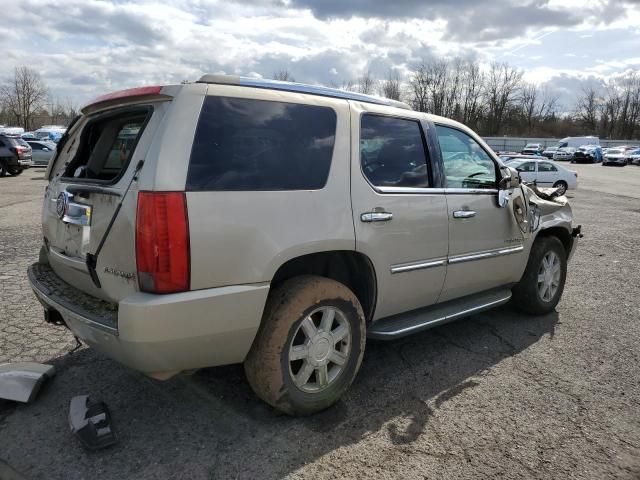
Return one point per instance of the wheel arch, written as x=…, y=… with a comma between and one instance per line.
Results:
x=353, y=269
x=561, y=233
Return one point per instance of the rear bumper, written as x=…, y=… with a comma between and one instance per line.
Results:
x=161, y=335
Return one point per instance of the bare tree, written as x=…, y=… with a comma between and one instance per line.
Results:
x=366, y=83
x=418, y=91
x=502, y=85
x=24, y=96
x=283, y=75
x=390, y=86
x=587, y=108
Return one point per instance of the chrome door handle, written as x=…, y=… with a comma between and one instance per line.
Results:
x=376, y=216
x=464, y=214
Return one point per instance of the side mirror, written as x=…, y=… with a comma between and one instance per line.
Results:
x=510, y=180
x=45, y=149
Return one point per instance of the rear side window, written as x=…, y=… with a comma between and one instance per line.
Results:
x=392, y=152
x=244, y=144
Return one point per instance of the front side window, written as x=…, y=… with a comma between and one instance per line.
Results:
x=392, y=152
x=546, y=167
x=244, y=144
x=466, y=164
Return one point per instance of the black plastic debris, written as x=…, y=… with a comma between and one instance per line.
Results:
x=91, y=423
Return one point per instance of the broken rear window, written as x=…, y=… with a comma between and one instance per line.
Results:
x=106, y=145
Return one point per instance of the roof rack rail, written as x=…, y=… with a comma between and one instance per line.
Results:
x=299, y=88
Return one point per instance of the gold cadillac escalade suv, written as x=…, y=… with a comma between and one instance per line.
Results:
x=281, y=225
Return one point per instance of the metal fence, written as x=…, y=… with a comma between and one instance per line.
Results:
x=515, y=144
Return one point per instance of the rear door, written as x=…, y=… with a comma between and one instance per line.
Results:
x=400, y=218
x=90, y=178
x=547, y=174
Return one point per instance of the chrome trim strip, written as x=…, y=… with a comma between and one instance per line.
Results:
x=471, y=191
x=409, y=190
x=417, y=266
x=468, y=257
x=445, y=318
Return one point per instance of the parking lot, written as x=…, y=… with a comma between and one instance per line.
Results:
x=497, y=394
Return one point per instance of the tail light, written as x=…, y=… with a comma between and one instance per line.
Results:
x=19, y=151
x=162, y=242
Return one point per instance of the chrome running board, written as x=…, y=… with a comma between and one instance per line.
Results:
x=403, y=324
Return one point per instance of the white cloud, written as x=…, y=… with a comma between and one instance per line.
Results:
x=86, y=47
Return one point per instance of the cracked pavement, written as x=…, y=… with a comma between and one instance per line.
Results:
x=498, y=394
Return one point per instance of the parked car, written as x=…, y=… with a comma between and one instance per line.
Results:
x=545, y=173
x=549, y=152
x=50, y=132
x=564, y=154
x=338, y=217
x=633, y=157
x=15, y=155
x=532, y=149
x=42, y=152
x=615, y=157
x=587, y=154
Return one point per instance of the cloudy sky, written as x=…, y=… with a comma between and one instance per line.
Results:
x=83, y=48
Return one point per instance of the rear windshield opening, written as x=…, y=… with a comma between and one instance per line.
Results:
x=106, y=146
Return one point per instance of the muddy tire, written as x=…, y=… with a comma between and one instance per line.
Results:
x=542, y=284
x=309, y=346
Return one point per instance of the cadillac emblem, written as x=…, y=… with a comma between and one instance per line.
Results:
x=61, y=204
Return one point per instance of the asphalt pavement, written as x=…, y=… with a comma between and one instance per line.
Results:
x=498, y=394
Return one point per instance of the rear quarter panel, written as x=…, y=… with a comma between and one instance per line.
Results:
x=244, y=237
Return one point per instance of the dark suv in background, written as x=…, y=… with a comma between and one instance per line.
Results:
x=15, y=155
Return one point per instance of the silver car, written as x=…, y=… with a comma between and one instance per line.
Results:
x=282, y=225
x=42, y=152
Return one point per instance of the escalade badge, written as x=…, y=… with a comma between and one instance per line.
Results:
x=61, y=204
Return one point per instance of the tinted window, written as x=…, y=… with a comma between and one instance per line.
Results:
x=466, y=164
x=244, y=144
x=35, y=145
x=392, y=152
x=546, y=167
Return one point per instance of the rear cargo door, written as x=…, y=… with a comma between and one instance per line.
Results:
x=91, y=175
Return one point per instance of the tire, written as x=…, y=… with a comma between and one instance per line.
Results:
x=15, y=171
x=268, y=366
x=3, y=168
x=562, y=186
x=527, y=295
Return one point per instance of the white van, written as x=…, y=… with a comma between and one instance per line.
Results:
x=577, y=142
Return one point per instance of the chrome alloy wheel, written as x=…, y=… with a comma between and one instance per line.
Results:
x=320, y=349
x=549, y=276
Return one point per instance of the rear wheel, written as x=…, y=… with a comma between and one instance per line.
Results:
x=562, y=186
x=309, y=346
x=542, y=284
x=15, y=171
x=3, y=168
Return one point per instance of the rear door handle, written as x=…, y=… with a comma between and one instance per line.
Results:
x=464, y=214
x=376, y=217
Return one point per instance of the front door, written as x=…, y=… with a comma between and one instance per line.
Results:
x=400, y=219
x=486, y=245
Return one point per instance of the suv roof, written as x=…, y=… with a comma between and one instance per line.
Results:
x=299, y=87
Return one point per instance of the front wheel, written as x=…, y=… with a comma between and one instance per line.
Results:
x=309, y=346
x=542, y=284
